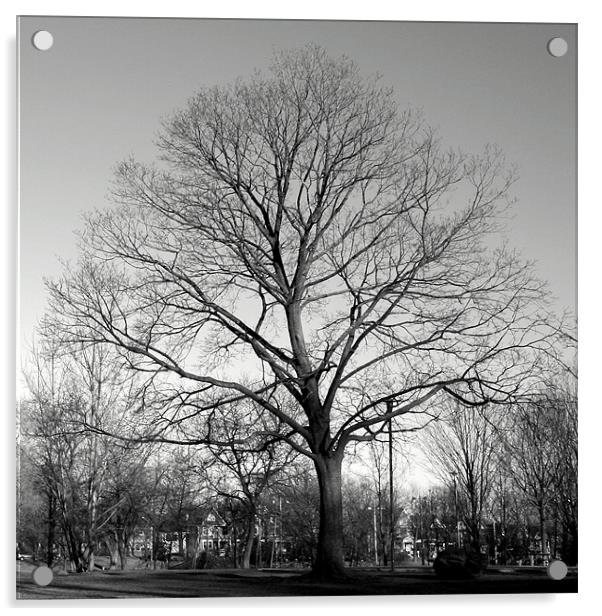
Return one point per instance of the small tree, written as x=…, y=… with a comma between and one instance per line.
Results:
x=37, y=514
x=184, y=482
x=301, y=226
x=52, y=436
x=464, y=445
x=358, y=520
x=299, y=514
x=247, y=468
x=541, y=454
x=77, y=394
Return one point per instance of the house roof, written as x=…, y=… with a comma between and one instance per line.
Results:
x=212, y=518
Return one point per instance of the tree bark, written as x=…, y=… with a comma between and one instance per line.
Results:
x=329, y=562
x=235, y=547
x=246, y=557
x=542, y=530
x=50, y=533
x=122, y=548
x=73, y=547
x=112, y=550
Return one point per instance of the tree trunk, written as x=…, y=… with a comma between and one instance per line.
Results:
x=542, y=530
x=272, y=549
x=570, y=544
x=50, y=534
x=122, y=548
x=73, y=547
x=381, y=532
x=113, y=552
x=91, y=530
x=329, y=561
x=235, y=547
x=246, y=557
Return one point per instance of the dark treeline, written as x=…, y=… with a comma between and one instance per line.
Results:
x=506, y=484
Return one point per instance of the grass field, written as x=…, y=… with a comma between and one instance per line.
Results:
x=238, y=583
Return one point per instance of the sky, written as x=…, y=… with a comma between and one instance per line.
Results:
x=98, y=95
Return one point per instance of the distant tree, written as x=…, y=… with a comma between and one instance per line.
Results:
x=51, y=435
x=36, y=515
x=372, y=460
x=373, y=456
x=541, y=454
x=127, y=501
x=441, y=511
x=358, y=510
x=464, y=445
x=300, y=514
x=301, y=227
x=187, y=492
x=248, y=467
x=76, y=393
x=566, y=488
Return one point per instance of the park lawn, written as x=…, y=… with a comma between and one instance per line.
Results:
x=238, y=583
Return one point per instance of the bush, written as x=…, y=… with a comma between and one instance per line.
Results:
x=459, y=563
x=208, y=560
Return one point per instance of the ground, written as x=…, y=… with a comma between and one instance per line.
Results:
x=143, y=583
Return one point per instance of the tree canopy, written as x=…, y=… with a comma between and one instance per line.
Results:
x=304, y=244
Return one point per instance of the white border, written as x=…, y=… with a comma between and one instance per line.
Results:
x=581, y=12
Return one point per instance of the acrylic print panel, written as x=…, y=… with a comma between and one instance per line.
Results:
x=297, y=308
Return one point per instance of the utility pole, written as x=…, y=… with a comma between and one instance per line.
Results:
x=454, y=475
x=391, y=517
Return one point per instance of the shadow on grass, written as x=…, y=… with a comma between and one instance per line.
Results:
x=237, y=583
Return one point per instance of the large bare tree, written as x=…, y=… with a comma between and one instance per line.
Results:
x=301, y=240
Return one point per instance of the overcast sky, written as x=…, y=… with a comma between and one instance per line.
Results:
x=97, y=96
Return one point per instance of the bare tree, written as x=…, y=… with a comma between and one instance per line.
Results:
x=248, y=467
x=186, y=488
x=373, y=458
x=566, y=502
x=541, y=455
x=358, y=519
x=378, y=464
x=464, y=445
x=76, y=393
x=299, y=515
x=301, y=240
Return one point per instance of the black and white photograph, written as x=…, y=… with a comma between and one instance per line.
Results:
x=297, y=308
